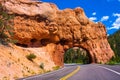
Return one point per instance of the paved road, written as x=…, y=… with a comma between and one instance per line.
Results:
x=97, y=72
x=86, y=72
x=55, y=75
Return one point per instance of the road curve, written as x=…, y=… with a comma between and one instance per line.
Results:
x=97, y=72
x=86, y=72
x=55, y=75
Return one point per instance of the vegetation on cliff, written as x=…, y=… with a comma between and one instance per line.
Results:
x=6, y=26
x=114, y=41
x=31, y=57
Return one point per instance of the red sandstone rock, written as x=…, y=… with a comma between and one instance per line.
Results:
x=39, y=24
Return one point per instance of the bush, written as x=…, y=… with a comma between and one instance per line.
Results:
x=115, y=60
x=31, y=57
x=111, y=63
x=42, y=66
x=56, y=67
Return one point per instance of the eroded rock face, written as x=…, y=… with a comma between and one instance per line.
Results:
x=39, y=24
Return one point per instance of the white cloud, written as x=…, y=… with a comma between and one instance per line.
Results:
x=94, y=13
x=93, y=18
x=116, y=14
x=116, y=24
x=104, y=18
x=108, y=34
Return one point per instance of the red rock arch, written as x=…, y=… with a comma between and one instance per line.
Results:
x=63, y=28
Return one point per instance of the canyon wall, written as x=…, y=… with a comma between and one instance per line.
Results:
x=39, y=24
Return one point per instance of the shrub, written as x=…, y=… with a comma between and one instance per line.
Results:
x=31, y=57
x=111, y=63
x=42, y=66
x=56, y=67
x=48, y=71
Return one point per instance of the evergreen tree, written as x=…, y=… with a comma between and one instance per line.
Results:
x=114, y=41
x=76, y=56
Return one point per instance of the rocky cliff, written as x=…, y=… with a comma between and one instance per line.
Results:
x=14, y=64
x=39, y=24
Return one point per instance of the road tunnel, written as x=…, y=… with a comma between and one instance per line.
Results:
x=77, y=55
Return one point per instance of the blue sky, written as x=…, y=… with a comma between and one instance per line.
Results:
x=106, y=11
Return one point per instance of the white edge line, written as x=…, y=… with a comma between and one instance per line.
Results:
x=39, y=75
x=110, y=70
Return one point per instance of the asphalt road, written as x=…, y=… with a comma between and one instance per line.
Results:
x=55, y=75
x=86, y=72
x=97, y=72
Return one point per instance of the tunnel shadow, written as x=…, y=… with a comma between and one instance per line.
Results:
x=77, y=55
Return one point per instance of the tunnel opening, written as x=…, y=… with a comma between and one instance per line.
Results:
x=77, y=55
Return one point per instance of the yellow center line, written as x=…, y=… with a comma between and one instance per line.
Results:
x=70, y=74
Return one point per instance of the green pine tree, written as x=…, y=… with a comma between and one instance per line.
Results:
x=114, y=41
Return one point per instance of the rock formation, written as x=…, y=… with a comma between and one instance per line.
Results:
x=39, y=24
x=14, y=64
